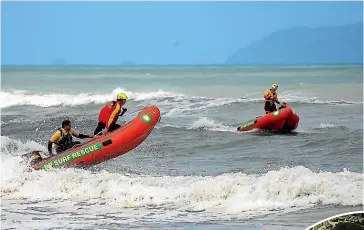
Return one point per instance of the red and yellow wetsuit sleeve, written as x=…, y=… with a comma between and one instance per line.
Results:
x=268, y=94
x=114, y=115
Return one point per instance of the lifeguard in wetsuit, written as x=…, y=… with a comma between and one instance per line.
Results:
x=271, y=97
x=110, y=113
x=62, y=138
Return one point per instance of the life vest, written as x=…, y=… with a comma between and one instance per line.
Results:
x=116, y=117
x=106, y=112
x=268, y=94
x=65, y=142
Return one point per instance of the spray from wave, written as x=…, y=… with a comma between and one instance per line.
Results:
x=204, y=123
x=326, y=126
x=201, y=124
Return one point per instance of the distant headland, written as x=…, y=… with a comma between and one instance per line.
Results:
x=302, y=45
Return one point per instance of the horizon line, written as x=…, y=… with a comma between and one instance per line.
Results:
x=211, y=64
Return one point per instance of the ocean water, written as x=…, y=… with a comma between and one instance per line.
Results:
x=194, y=171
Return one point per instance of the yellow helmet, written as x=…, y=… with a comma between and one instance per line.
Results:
x=275, y=86
x=121, y=96
x=284, y=102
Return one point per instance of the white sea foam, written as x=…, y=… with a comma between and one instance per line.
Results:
x=228, y=194
x=204, y=123
x=10, y=98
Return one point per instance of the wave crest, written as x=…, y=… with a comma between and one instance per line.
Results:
x=20, y=97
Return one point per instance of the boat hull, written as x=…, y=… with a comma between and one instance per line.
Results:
x=283, y=120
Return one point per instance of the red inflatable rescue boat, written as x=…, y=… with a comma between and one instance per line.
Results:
x=107, y=146
x=284, y=120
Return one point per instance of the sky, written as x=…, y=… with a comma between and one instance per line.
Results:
x=105, y=33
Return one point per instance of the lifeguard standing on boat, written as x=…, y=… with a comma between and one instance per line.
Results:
x=110, y=113
x=271, y=97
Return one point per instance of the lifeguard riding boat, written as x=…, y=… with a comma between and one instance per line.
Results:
x=283, y=120
x=104, y=147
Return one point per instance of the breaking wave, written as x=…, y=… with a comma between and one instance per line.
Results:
x=10, y=98
x=236, y=194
